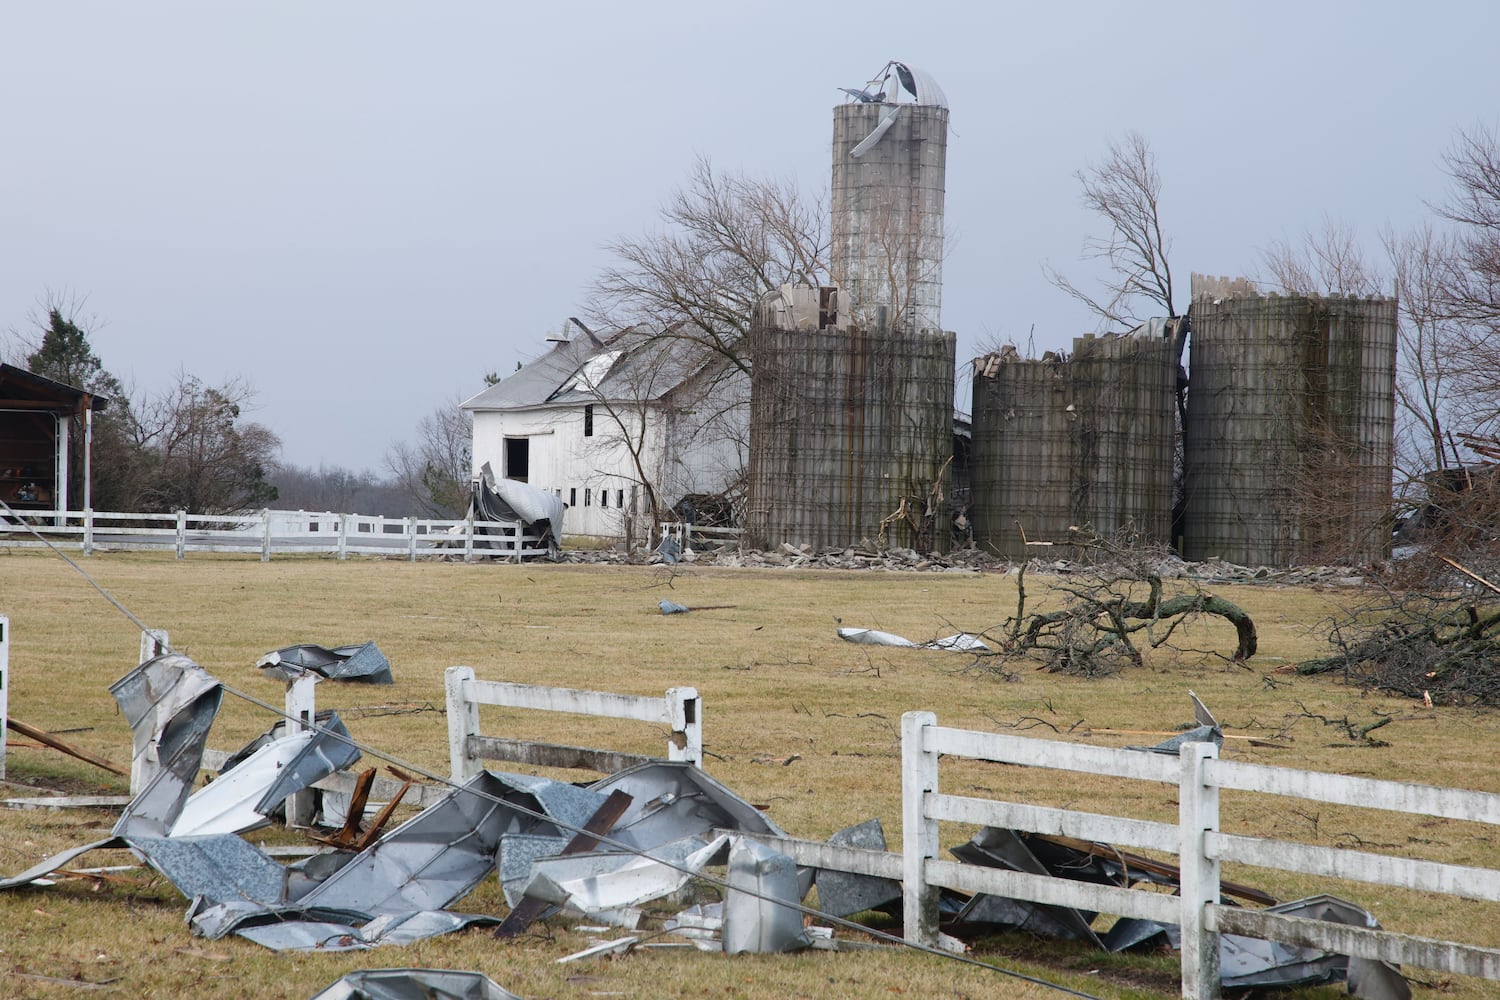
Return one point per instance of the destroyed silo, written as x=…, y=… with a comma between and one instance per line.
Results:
x=1290, y=419
x=1069, y=448
x=890, y=152
x=851, y=434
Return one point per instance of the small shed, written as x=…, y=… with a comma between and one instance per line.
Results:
x=36, y=421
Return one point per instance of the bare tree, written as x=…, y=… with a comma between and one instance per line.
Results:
x=1124, y=190
x=1473, y=282
x=436, y=469
x=727, y=240
x=1328, y=262
x=658, y=401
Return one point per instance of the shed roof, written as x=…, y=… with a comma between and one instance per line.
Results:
x=21, y=389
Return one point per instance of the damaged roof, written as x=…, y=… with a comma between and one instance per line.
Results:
x=633, y=364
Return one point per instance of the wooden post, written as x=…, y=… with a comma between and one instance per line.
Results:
x=301, y=705
x=181, y=533
x=411, y=539
x=687, y=726
x=1198, y=815
x=265, y=538
x=4, y=686
x=919, y=834
x=463, y=722
x=143, y=766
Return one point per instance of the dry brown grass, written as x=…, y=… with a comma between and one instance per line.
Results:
x=776, y=684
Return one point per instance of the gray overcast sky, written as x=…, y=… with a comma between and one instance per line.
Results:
x=362, y=207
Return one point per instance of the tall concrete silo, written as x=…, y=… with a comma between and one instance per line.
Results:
x=890, y=154
x=1070, y=447
x=1290, y=424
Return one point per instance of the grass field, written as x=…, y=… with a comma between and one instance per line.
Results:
x=795, y=720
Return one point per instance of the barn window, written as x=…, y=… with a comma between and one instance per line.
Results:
x=588, y=497
x=619, y=498
x=572, y=496
x=588, y=421
x=517, y=458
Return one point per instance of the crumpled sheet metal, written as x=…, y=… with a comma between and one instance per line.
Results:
x=844, y=894
x=246, y=795
x=60, y=860
x=153, y=694
x=392, y=929
x=218, y=868
x=602, y=881
x=673, y=800
x=429, y=861
x=760, y=905
x=962, y=642
x=354, y=662
x=180, y=746
x=996, y=848
x=415, y=984
x=1250, y=963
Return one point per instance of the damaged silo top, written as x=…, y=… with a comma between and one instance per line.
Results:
x=897, y=80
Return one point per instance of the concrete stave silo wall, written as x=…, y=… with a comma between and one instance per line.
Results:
x=849, y=429
x=1065, y=449
x=887, y=211
x=1290, y=428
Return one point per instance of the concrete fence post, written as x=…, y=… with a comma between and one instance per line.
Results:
x=463, y=722
x=88, y=531
x=1198, y=815
x=265, y=536
x=343, y=536
x=411, y=539
x=469, y=538
x=181, y=534
x=301, y=705
x=919, y=834
x=687, y=726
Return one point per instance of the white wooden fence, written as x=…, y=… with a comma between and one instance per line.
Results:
x=273, y=531
x=1201, y=847
x=468, y=749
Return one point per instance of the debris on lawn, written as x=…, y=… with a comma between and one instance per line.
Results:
x=602, y=852
x=415, y=984
x=358, y=661
x=673, y=608
x=963, y=642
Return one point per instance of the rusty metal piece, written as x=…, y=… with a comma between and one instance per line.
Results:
x=348, y=835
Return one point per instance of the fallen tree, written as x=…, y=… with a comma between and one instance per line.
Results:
x=1110, y=615
x=1443, y=646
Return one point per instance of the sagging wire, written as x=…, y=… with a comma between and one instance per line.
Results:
x=617, y=845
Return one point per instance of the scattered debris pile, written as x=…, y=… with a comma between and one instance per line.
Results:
x=650, y=834
x=1428, y=645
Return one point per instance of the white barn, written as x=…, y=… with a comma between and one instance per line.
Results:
x=609, y=424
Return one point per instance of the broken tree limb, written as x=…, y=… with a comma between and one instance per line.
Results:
x=42, y=736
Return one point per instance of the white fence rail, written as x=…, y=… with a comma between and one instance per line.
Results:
x=1200, y=776
x=468, y=749
x=267, y=532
